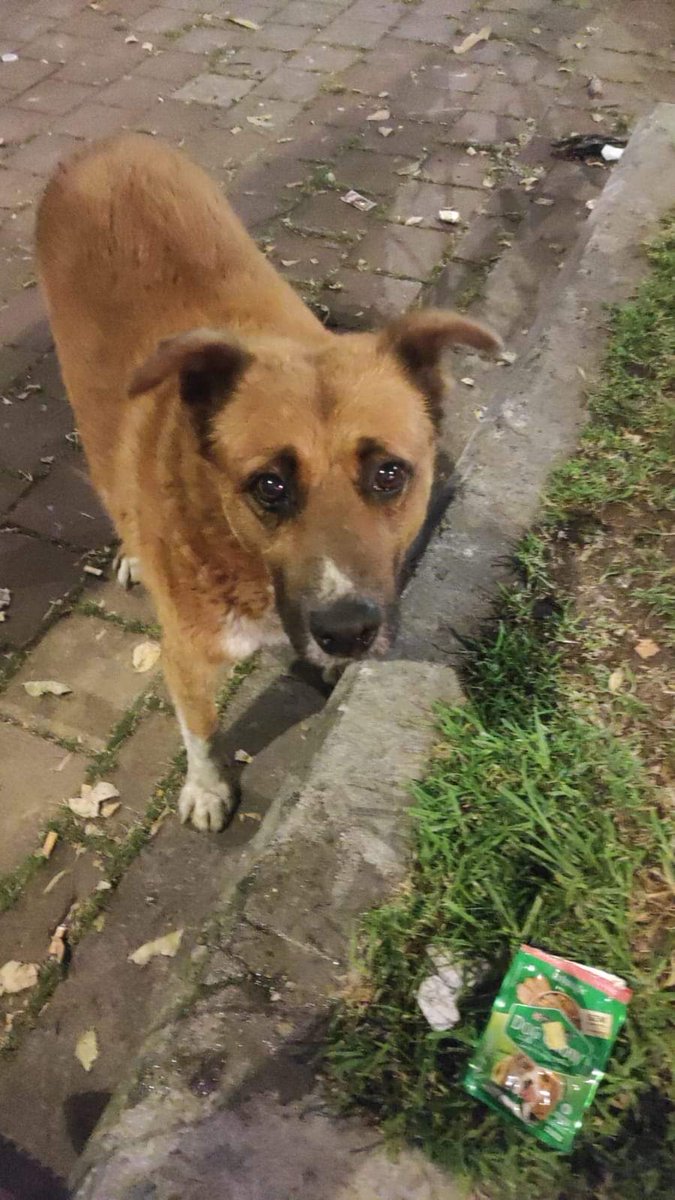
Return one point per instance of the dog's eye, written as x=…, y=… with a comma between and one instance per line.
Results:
x=269, y=490
x=390, y=478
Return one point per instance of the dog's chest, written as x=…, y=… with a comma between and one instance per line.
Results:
x=243, y=636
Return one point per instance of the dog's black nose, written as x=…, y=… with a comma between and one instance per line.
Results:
x=347, y=628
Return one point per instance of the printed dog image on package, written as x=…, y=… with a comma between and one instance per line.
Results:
x=544, y=1050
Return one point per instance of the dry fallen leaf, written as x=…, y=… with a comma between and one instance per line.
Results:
x=17, y=977
x=646, y=648
x=46, y=687
x=382, y=114
x=449, y=216
x=86, y=1050
x=385, y=130
x=49, y=843
x=110, y=807
x=615, y=682
x=88, y=803
x=145, y=656
x=413, y=220
x=166, y=946
x=243, y=22
x=472, y=40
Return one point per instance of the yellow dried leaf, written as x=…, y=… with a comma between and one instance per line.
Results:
x=46, y=687
x=86, y=1050
x=17, y=977
x=167, y=946
x=646, y=648
x=472, y=40
x=243, y=22
x=145, y=656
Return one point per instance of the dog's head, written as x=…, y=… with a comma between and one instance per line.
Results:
x=324, y=456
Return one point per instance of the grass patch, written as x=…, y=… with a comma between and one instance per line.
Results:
x=543, y=817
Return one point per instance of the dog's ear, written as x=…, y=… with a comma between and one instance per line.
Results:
x=418, y=340
x=208, y=364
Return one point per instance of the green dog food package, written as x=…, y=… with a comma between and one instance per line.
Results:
x=544, y=1051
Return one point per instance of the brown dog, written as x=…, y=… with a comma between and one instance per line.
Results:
x=266, y=475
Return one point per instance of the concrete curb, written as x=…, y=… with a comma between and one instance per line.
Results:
x=537, y=406
x=235, y=1050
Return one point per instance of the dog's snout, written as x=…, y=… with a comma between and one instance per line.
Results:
x=346, y=628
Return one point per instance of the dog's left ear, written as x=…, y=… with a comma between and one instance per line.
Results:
x=208, y=363
x=419, y=338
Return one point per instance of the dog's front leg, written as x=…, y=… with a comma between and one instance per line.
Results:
x=206, y=797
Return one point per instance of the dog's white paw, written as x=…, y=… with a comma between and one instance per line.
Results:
x=127, y=570
x=207, y=807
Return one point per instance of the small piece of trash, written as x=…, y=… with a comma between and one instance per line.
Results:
x=145, y=656
x=263, y=122
x=382, y=114
x=235, y=129
x=64, y=762
x=86, y=1049
x=449, y=216
x=89, y=570
x=594, y=87
x=243, y=756
x=9, y=57
x=544, y=201
x=597, y=117
x=472, y=40
x=411, y=169
x=590, y=205
x=385, y=130
x=131, y=40
x=413, y=220
x=471, y=151
x=646, y=648
x=103, y=885
x=49, y=843
x=57, y=945
x=167, y=946
x=611, y=153
x=358, y=201
x=148, y=46
x=88, y=803
x=437, y=994
x=289, y=262
x=243, y=22
x=488, y=183
x=17, y=977
x=468, y=381
x=46, y=687
x=508, y=356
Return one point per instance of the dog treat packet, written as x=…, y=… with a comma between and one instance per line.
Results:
x=545, y=1047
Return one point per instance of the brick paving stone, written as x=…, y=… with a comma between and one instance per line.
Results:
x=167, y=67
x=17, y=188
x=38, y=575
x=412, y=139
x=483, y=129
x=178, y=122
x=214, y=89
x=205, y=41
x=287, y=84
x=158, y=20
x=420, y=102
x=11, y=487
x=397, y=250
x=283, y=37
x=278, y=114
x=368, y=173
x=319, y=57
x=17, y=125
x=416, y=198
x=453, y=79
x=94, y=659
x=32, y=790
x=304, y=259
x=55, y=98
x=144, y=760
x=437, y=30
x=42, y=154
x=367, y=299
x=483, y=241
x=95, y=121
x=326, y=213
x=252, y=62
x=309, y=12
x=132, y=92
x=381, y=12
x=452, y=166
x=346, y=32
x=65, y=508
x=31, y=429
x=19, y=76
x=132, y=604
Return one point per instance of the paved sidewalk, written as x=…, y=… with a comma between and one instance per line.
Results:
x=290, y=109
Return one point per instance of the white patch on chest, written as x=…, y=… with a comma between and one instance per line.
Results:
x=242, y=636
x=333, y=583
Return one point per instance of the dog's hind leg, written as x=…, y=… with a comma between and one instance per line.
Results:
x=206, y=798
